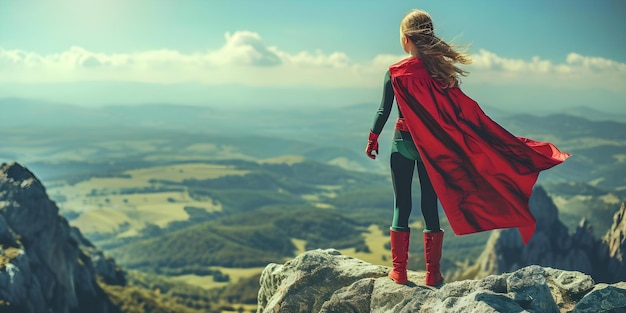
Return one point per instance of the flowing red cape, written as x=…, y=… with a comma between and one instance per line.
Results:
x=482, y=174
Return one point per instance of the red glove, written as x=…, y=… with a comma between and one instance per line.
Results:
x=372, y=145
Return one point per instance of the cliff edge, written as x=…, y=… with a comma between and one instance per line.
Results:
x=46, y=265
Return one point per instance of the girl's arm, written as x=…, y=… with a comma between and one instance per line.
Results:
x=382, y=114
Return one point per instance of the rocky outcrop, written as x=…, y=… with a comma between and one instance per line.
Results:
x=554, y=246
x=46, y=265
x=615, y=239
x=329, y=282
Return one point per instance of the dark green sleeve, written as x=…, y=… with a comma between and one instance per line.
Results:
x=382, y=114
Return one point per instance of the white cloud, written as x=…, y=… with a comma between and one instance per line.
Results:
x=595, y=63
x=316, y=59
x=246, y=59
x=576, y=72
x=574, y=62
x=244, y=48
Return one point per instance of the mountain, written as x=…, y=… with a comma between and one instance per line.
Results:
x=593, y=114
x=564, y=127
x=553, y=246
x=326, y=281
x=22, y=112
x=17, y=112
x=46, y=265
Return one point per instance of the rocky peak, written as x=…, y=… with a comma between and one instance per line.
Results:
x=45, y=265
x=543, y=209
x=615, y=242
x=24, y=202
x=615, y=238
x=17, y=172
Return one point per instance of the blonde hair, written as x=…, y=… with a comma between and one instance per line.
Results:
x=438, y=56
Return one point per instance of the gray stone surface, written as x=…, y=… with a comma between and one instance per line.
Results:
x=329, y=282
x=605, y=298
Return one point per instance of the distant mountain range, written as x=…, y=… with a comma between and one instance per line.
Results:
x=25, y=112
x=334, y=135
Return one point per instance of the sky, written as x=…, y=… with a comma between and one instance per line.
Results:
x=527, y=55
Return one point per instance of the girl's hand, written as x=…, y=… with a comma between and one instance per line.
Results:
x=372, y=146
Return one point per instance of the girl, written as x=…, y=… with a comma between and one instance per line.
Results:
x=482, y=174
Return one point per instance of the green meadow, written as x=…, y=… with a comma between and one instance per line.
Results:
x=133, y=199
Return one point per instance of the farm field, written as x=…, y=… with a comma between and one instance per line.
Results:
x=133, y=200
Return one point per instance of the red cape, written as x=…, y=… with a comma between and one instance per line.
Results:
x=482, y=174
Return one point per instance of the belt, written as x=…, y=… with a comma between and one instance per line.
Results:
x=401, y=125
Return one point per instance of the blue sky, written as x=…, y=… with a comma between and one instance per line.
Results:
x=562, y=52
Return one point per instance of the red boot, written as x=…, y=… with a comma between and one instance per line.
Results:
x=399, y=255
x=433, y=242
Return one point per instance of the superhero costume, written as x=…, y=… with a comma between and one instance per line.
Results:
x=483, y=174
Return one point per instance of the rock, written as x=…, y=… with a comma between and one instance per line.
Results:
x=328, y=282
x=310, y=278
x=528, y=287
x=605, y=298
x=568, y=287
x=615, y=237
x=543, y=209
x=104, y=266
x=7, y=237
x=45, y=265
x=615, y=240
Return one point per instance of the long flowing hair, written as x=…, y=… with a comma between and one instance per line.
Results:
x=438, y=56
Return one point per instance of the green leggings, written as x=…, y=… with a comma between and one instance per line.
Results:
x=404, y=158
